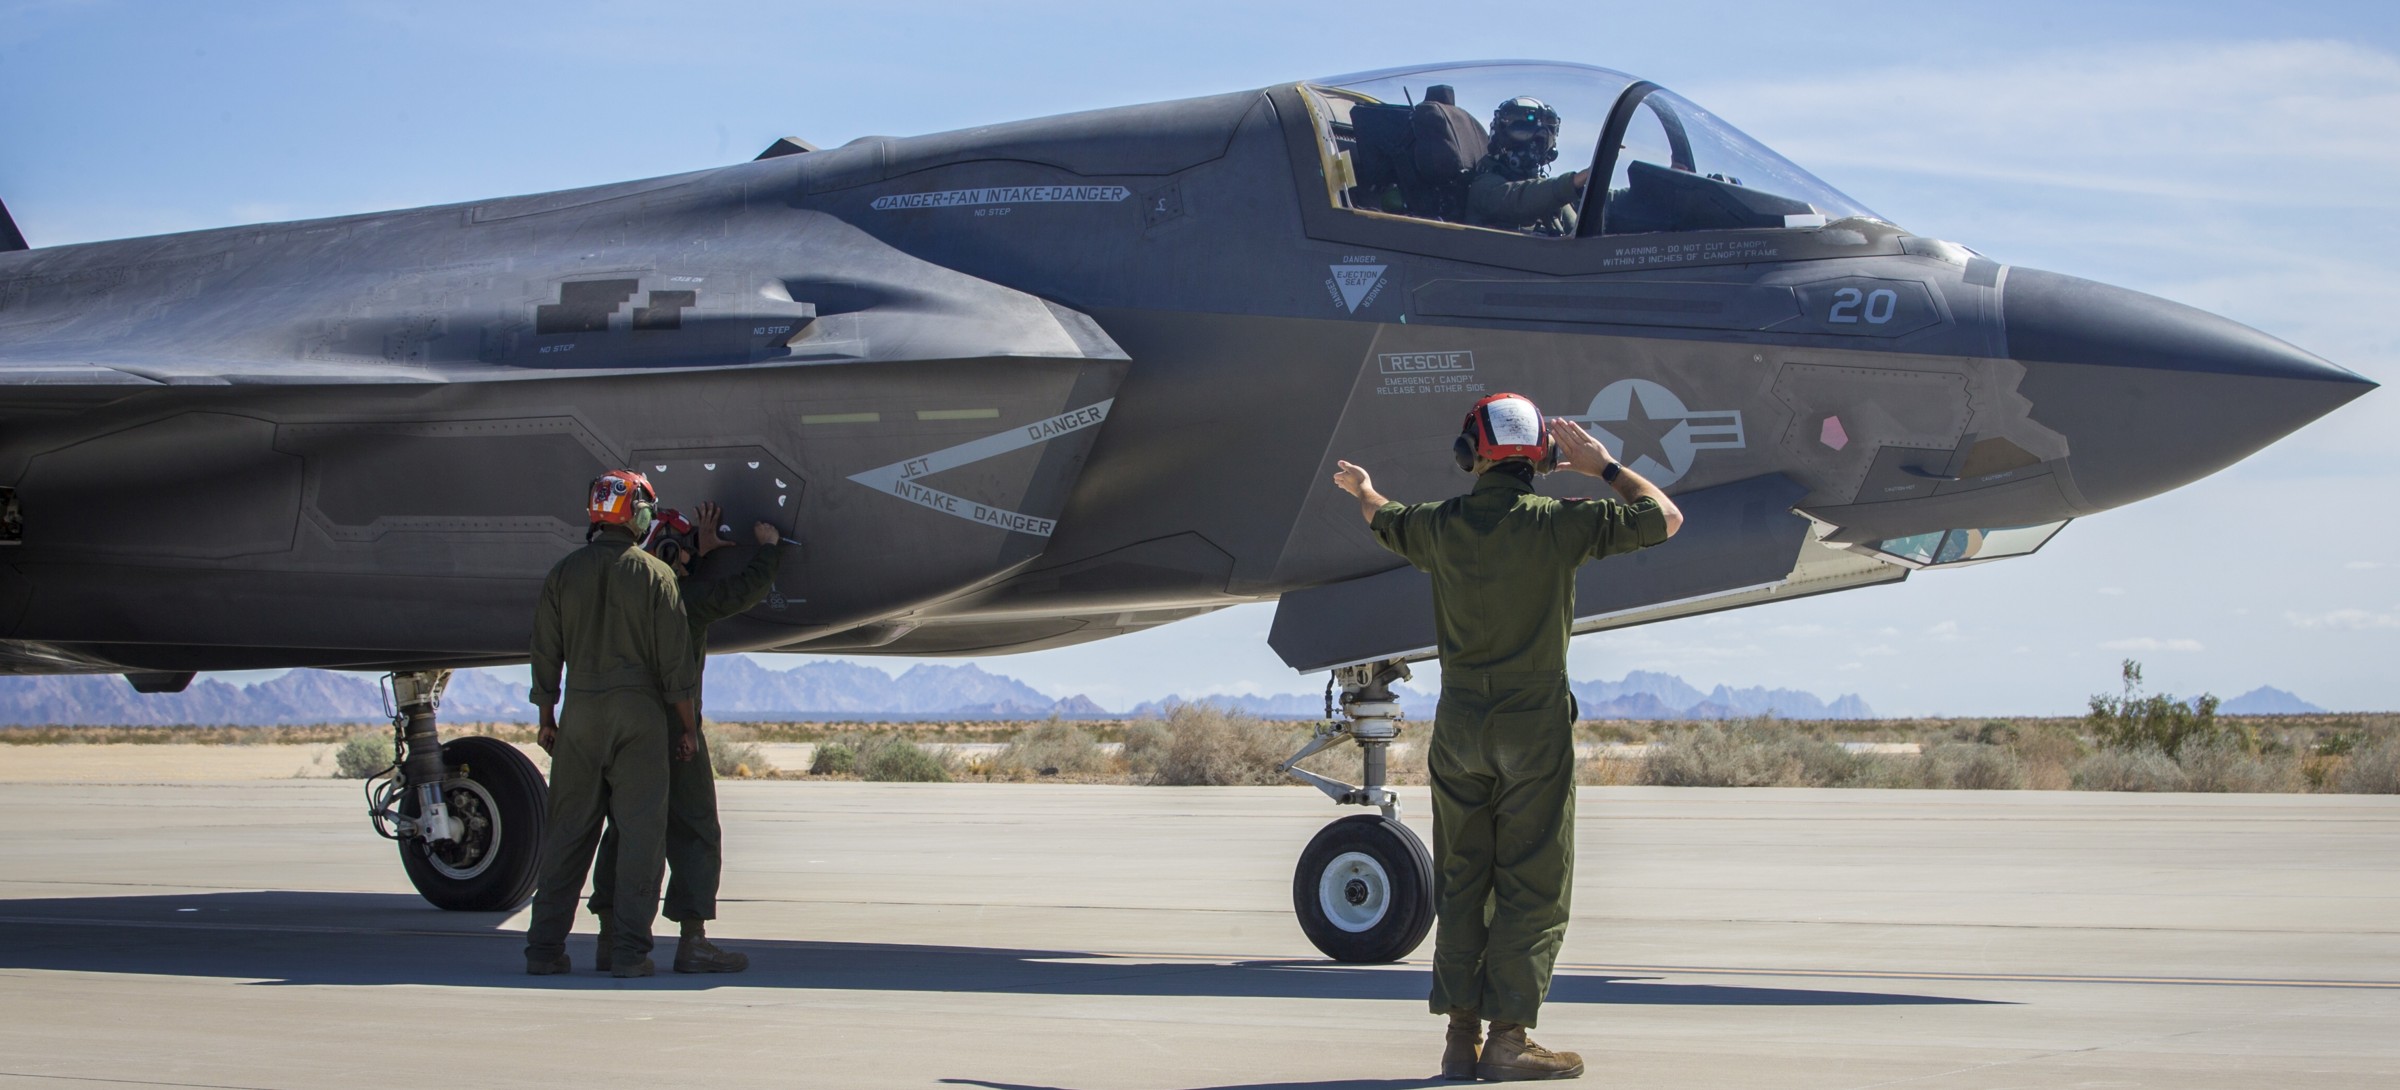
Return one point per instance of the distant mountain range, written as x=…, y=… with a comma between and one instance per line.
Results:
x=2268, y=700
x=1642, y=694
x=740, y=688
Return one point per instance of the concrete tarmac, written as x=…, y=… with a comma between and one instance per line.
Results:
x=256, y=934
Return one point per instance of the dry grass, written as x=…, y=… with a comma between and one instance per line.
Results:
x=2372, y=770
x=1198, y=745
x=734, y=759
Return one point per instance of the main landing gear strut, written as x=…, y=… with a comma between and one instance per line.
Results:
x=1364, y=887
x=467, y=814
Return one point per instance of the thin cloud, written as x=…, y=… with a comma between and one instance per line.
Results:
x=2352, y=619
x=2148, y=643
x=2363, y=565
x=2314, y=117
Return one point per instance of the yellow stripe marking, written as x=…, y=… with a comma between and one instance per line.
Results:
x=958, y=414
x=842, y=418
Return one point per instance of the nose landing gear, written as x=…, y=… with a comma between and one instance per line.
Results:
x=1364, y=886
x=468, y=814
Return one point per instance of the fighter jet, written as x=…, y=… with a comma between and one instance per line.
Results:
x=1039, y=383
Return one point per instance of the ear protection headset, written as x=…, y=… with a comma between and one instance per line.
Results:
x=1501, y=427
x=670, y=535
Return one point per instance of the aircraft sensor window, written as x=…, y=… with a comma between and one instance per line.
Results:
x=1496, y=146
x=1680, y=168
x=1967, y=545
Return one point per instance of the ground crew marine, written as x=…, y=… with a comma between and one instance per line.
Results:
x=695, y=843
x=1502, y=757
x=611, y=619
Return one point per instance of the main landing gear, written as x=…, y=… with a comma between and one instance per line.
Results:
x=468, y=814
x=1364, y=887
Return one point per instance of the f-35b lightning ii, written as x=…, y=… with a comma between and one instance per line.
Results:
x=1033, y=384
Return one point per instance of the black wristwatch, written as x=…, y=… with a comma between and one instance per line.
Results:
x=1610, y=474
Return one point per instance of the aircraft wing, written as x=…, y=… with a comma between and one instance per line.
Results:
x=1741, y=545
x=317, y=304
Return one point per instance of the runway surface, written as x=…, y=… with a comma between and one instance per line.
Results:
x=257, y=935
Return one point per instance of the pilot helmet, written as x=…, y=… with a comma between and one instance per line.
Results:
x=1528, y=124
x=622, y=497
x=1505, y=426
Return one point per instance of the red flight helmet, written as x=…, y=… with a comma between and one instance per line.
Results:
x=622, y=497
x=1505, y=426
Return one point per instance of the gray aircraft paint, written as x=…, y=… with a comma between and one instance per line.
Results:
x=360, y=442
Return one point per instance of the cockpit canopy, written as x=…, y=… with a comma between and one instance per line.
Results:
x=1457, y=144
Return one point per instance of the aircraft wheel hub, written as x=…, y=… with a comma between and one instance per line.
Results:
x=1354, y=892
x=479, y=836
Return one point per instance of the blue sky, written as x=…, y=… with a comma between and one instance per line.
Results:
x=2238, y=157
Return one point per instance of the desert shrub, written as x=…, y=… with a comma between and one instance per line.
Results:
x=2371, y=769
x=889, y=758
x=836, y=756
x=1055, y=748
x=2224, y=763
x=1206, y=746
x=1974, y=766
x=363, y=755
x=1145, y=746
x=1751, y=753
x=2127, y=770
x=735, y=760
x=2131, y=721
x=884, y=757
x=2046, y=754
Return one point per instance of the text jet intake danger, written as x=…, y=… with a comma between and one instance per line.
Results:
x=1020, y=194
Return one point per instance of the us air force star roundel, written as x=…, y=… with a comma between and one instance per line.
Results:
x=1651, y=431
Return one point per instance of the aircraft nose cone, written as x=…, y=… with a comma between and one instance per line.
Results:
x=2150, y=394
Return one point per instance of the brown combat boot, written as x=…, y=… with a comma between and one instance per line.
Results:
x=606, y=958
x=695, y=954
x=1461, y=1046
x=1510, y=1056
x=548, y=965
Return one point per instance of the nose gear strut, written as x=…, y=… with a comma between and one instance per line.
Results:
x=415, y=694
x=1364, y=887
x=1370, y=716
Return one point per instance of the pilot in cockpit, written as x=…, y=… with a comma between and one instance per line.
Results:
x=1512, y=188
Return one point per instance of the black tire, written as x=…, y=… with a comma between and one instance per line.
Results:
x=1364, y=890
x=505, y=803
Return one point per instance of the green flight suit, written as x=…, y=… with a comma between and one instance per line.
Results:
x=1502, y=757
x=1544, y=205
x=611, y=618
x=695, y=839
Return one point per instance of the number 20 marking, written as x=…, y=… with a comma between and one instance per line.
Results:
x=1880, y=306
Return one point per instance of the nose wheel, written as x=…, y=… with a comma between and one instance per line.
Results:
x=1364, y=888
